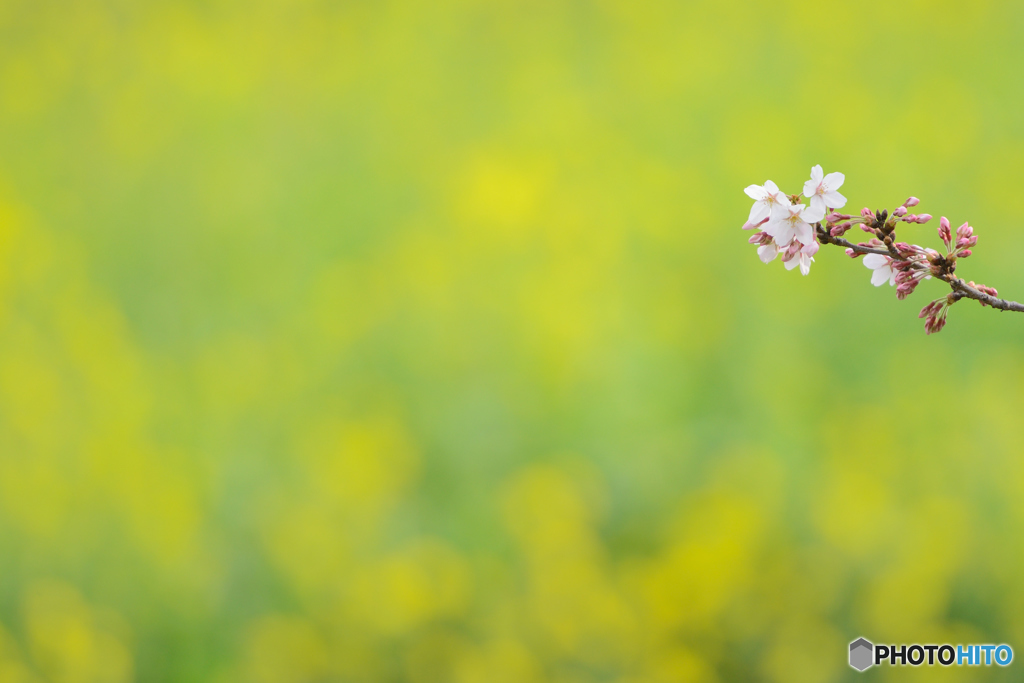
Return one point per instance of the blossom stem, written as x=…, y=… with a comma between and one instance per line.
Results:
x=961, y=290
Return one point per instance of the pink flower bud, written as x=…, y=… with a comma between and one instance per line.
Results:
x=991, y=291
x=906, y=289
x=933, y=325
x=912, y=202
x=900, y=212
x=965, y=253
x=964, y=230
x=811, y=249
x=867, y=213
x=923, y=218
x=943, y=230
x=867, y=228
x=750, y=226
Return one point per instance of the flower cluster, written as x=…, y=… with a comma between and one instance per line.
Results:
x=904, y=272
x=788, y=227
x=787, y=220
x=934, y=314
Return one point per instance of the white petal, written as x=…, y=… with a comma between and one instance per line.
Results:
x=783, y=234
x=834, y=200
x=805, y=264
x=880, y=276
x=817, y=173
x=792, y=263
x=873, y=261
x=780, y=211
x=759, y=211
x=810, y=187
x=835, y=180
x=755, y=192
x=892, y=277
x=772, y=188
x=804, y=233
x=767, y=252
x=815, y=212
x=876, y=260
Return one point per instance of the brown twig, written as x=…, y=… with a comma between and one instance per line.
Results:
x=961, y=290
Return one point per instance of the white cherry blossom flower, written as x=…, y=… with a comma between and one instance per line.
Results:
x=768, y=201
x=802, y=256
x=882, y=267
x=803, y=260
x=794, y=222
x=822, y=189
x=768, y=252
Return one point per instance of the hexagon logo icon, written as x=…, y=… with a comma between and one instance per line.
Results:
x=861, y=654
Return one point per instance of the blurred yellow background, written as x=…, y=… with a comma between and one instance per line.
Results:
x=418, y=341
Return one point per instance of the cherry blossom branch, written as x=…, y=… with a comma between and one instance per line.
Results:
x=961, y=290
x=795, y=231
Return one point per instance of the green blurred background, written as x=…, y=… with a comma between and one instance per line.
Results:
x=418, y=341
